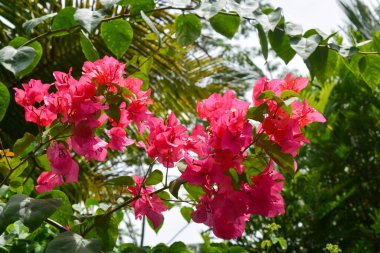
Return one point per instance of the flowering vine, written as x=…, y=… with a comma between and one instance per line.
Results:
x=231, y=160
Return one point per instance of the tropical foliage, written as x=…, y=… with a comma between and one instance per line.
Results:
x=175, y=53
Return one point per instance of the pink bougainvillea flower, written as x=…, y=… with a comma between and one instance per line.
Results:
x=33, y=92
x=107, y=70
x=297, y=84
x=166, y=142
x=265, y=193
x=41, y=116
x=62, y=163
x=47, y=181
x=149, y=205
x=305, y=114
x=118, y=139
x=263, y=85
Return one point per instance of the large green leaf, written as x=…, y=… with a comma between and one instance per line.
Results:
x=305, y=46
x=106, y=230
x=88, y=48
x=4, y=100
x=31, y=212
x=121, y=181
x=263, y=40
x=139, y=5
x=187, y=29
x=17, y=43
x=16, y=60
x=285, y=161
x=24, y=145
x=64, y=213
x=280, y=43
x=117, y=34
x=69, y=242
x=369, y=67
x=269, y=21
x=154, y=178
x=30, y=24
x=88, y=19
x=323, y=63
x=64, y=19
x=226, y=25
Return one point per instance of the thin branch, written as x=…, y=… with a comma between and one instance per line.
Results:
x=56, y=225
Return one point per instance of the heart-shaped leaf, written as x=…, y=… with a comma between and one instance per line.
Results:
x=73, y=243
x=88, y=19
x=30, y=24
x=117, y=34
x=305, y=46
x=187, y=29
x=16, y=60
x=226, y=25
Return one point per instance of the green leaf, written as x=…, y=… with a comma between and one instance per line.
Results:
x=285, y=161
x=269, y=21
x=235, y=179
x=186, y=213
x=121, y=181
x=236, y=249
x=344, y=51
x=106, y=230
x=15, y=185
x=285, y=94
x=24, y=145
x=263, y=40
x=18, y=167
x=139, y=5
x=254, y=166
x=17, y=60
x=64, y=19
x=280, y=43
x=4, y=100
x=369, y=67
x=195, y=191
x=30, y=24
x=305, y=46
x=154, y=178
x=31, y=212
x=91, y=202
x=36, y=46
x=117, y=35
x=175, y=185
x=88, y=48
x=376, y=41
x=188, y=28
x=282, y=243
x=226, y=25
x=178, y=247
x=258, y=112
x=43, y=162
x=113, y=112
x=18, y=229
x=151, y=26
x=293, y=29
x=68, y=242
x=323, y=63
x=88, y=19
x=65, y=212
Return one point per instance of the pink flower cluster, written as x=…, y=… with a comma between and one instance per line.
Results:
x=83, y=106
x=224, y=147
x=281, y=127
x=103, y=102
